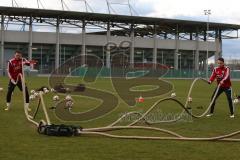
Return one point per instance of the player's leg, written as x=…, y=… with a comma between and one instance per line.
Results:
x=19, y=84
x=214, y=102
x=11, y=87
x=228, y=93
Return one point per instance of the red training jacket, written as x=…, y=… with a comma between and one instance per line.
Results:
x=221, y=74
x=15, y=67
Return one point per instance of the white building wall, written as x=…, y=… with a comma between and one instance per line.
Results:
x=101, y=40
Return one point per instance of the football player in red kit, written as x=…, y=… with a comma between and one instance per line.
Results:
x=14, y=67
x=222, y=75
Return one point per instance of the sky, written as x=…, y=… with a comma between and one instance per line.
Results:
x=227, y=12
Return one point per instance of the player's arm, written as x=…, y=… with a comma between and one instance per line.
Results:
x=226, y=75
x=26, y=62
x=10, y=70
x=213, y=76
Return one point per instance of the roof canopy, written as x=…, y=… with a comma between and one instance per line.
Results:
x=184, y=25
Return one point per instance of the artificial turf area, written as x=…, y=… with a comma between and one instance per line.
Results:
x=20, y=140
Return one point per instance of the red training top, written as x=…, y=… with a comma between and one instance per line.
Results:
x=15, y=67
x=221, y=74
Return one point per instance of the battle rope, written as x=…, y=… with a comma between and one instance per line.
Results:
x=173, y=136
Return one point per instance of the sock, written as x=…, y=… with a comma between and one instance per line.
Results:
x=8, y=105
x=27, y=105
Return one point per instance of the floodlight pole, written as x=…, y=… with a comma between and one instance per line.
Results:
x=57, y=58
x=83, y=51
x=62, y=5
x=108, y=5
x=2, y=43
x=129, y=6
x=13, y=1
x=180, y=55
x=162, y=58
x=38, y=3
x=30, y=35
x=108, y=53
x=207, y=13
x=143, y=57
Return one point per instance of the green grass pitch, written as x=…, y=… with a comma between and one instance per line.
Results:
x=20, y=140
